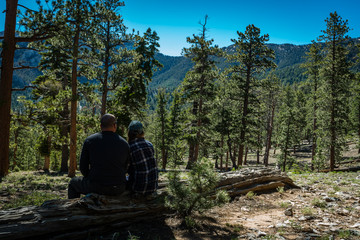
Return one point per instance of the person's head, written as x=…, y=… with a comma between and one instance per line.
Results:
x=108, y=122
x=135, y=130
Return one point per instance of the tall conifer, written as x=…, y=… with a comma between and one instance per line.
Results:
x=334, y=88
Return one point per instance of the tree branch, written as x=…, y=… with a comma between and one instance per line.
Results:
x=27, y=8
x=22, y=89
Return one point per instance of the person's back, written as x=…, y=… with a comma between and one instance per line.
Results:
x=107, y=154
x=103, y=162
x=143, y=172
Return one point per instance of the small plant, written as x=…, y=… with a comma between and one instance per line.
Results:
x=197, y=194
x=285, y=204
x=318, y=203
x=295, y=225
x=336, y=188
x=307, y=211
x=344, y=234
x=280, y=190
x=235, y=227
x=132, y=237
x=250, y=195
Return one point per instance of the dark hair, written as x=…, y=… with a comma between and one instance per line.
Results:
x=131, y=136
x=107, y=120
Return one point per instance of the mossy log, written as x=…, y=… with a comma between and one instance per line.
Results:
x=76, y=218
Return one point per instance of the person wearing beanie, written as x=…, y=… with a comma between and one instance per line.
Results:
x=143, y=172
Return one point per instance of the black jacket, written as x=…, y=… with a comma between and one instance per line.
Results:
x=104, y=158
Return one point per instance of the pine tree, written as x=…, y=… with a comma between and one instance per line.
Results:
x=198, y=87
x=129, y=99
x=270, y=90
x=175, y=137
x=224, y=121
x=334, y=88
x=286, y=121
x=162, y=119
x=110, y=53
x=251, y=57
x=355, y=102
x=41, y=28
x=312, y=65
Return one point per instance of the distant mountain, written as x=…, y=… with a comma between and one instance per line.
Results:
x=288, y=60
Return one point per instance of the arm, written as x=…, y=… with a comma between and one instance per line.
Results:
x=85, y=160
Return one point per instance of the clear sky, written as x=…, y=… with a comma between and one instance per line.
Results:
x=291, y=21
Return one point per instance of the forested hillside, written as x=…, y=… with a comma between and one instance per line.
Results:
x=288, y=58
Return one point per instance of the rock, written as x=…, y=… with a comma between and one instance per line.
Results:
x=260, y=234
x=331, y=199
x=356, y=225
x=289, y=212
x=343, y=212
x=281, y=225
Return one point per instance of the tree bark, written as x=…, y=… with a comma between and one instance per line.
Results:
x=73, y=113
x=269, y=135
x=7, y=66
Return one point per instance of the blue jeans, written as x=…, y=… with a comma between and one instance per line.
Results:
x=82, y=185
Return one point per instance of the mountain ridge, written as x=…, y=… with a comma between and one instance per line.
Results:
x=288, y=58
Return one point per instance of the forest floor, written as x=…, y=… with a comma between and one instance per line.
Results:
x=326, y=206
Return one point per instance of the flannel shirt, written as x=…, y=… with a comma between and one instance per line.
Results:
x=143, y=172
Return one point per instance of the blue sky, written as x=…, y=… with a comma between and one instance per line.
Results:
x=292, y=21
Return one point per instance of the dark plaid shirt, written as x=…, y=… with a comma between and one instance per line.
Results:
x=143, y=173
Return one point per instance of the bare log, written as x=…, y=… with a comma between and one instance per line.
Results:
x=76, y=218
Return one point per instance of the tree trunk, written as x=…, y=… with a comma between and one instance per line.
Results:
x=7, y=67
x=222, y=154
x=47, y=156
x=73, y=113
x=244, y=116
x=192, y=143
x=227, y=161
x=269, y=135
x=246, y=155
x=314, y=137
x=16, y=146
x=359, y=126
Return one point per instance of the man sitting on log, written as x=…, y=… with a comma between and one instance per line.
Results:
x=143, y=172
x=103, y=162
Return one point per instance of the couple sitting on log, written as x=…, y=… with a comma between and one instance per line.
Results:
x=106, y=158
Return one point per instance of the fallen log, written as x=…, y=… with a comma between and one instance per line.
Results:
x=76, y=218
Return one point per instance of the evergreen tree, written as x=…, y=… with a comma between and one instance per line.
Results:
x=286, y=126
x=110, y=53
x=312, y=65
x=270, y=90
x=334, y=89
x=252, y=57
x=224, y=117
x=355, y=103
x=41, y=27
x=129, y=99
x=175, y=137
x=162, y=119
x=198, y=87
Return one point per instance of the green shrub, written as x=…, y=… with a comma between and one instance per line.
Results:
x=197, y=193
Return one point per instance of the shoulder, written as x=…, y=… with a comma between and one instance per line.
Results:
x=149, y=143
x=92, y=137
